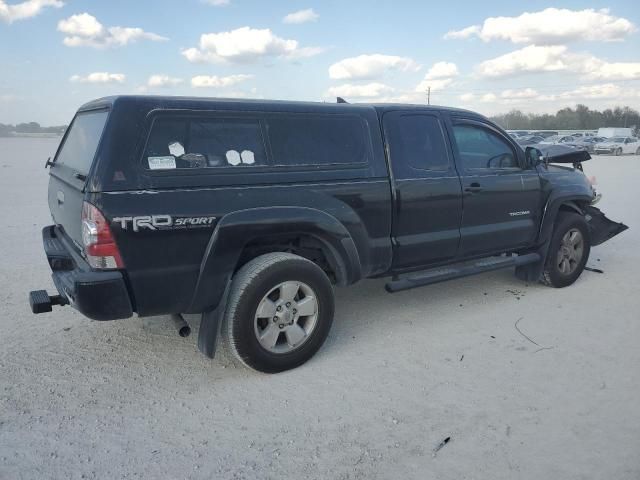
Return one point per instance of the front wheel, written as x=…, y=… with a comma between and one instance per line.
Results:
x=568, y=251
x=279, y=312
x=618, y=151
x=638, y=151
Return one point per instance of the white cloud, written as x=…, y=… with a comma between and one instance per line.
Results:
x=596, y=96
x=442, y=70
x=464, y=33
x=557, y=58
x=551, y=26
x=213, y=81
x=99, y=77
x=488, y=98
x=84, y=30
x=529, y=59
x=23, y=10
x=616, y=71
x=439, y=76
x=369, y=90
x=162, y=80
x=370, y=66
x=434, y=85
x=525, y=93
x=244, y=45
x=608, y=91
x=217, y=3
x=301, y=16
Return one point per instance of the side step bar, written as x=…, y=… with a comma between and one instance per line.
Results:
x=438, y=275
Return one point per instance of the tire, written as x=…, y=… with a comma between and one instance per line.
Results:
x=270, y=340
x=568, y=251
x=618, y=152
x=638, y=151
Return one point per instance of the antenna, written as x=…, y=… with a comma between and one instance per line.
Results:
x=341, y=100
x=429, y=95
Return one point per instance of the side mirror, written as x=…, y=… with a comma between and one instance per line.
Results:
x=534, y=156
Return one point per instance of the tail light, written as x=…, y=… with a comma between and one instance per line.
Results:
x=99, y=245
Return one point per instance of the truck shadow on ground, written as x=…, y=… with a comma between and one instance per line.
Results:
x=364, y=307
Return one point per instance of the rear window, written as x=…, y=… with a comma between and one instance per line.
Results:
x=200, y=143
x=81, y=142
x=317, y=139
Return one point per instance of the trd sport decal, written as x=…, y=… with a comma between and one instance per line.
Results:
x=162, y=222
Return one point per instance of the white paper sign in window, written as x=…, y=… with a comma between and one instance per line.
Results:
x=176, y=149
x=233, y=158
x=247, y=157
x=161, y=163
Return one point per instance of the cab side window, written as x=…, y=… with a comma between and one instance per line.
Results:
x=481, y=148
x=418, y=141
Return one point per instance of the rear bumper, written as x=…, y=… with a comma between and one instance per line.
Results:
x=99, y=295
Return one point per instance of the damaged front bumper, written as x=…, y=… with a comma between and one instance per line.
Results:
x=600, y=227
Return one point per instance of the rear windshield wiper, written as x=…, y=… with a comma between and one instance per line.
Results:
x=80, y=176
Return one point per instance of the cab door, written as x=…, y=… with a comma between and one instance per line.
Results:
x=427, y=192
x=501, y=195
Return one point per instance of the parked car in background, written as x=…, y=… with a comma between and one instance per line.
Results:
x=558, y=139
x=546, y=133
x=615, y=132
x=583, y=134
x=517, y=133
x=618, y=146
x=529, y=140
x=586, y=143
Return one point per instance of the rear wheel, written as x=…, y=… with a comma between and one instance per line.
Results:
x=568, y=251
x=279, y=313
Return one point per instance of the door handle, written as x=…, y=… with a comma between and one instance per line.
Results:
x=473, y=188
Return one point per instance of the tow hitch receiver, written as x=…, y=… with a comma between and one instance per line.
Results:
x=41, y=302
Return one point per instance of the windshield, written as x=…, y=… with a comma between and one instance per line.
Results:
x=81, y=142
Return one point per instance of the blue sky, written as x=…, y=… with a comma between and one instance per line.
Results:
x=489, y=56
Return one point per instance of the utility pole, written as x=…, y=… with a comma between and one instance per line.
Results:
x=429, y=95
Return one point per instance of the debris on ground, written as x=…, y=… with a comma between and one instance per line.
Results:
x=440, y=445
x=529, y=338
x=591, y=269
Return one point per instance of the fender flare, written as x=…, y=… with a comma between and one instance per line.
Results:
x=550, y=213
x=533, y=272
x=235, y=230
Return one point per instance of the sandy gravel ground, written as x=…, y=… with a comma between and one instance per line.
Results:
x=398, y=374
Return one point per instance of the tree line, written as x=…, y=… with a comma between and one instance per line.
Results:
x=7, y=130
x=579, y=118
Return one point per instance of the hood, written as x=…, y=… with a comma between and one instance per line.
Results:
x=562, y=154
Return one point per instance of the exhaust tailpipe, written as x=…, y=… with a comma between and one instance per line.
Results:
x=183, y=328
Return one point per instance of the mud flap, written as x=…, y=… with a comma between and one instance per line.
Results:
x=210, y=323
x=601, y=228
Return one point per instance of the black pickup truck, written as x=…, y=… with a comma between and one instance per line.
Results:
x=249, y=212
